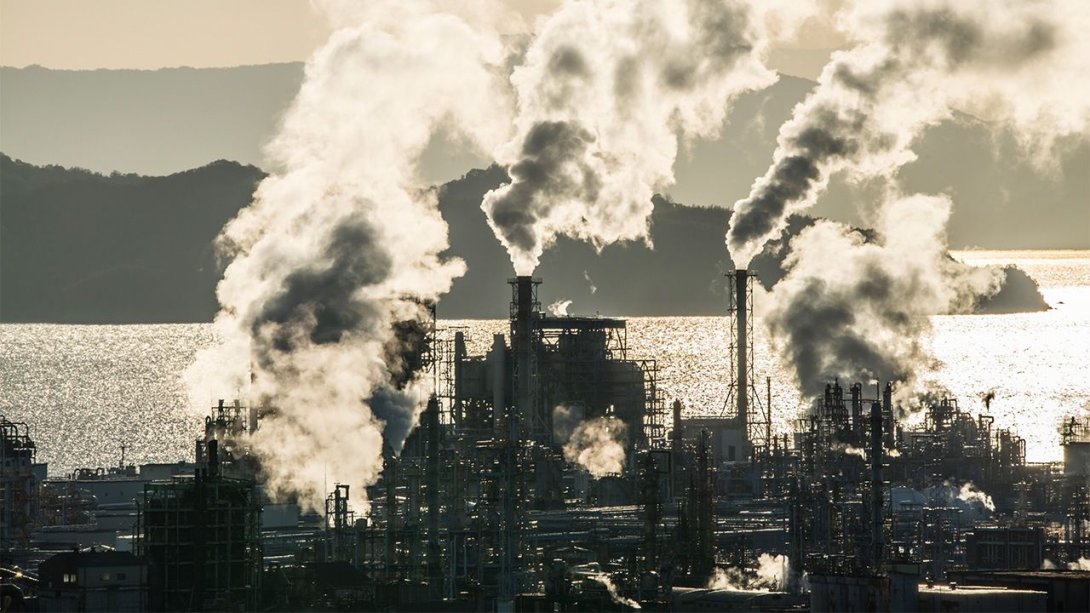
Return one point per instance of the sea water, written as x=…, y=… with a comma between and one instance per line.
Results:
x=84, y=391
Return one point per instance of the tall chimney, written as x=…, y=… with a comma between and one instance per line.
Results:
x=678, y=434
x=876, y=483
x=497, y=358
x=741, y=280
x=213, y=458
x=521, y=333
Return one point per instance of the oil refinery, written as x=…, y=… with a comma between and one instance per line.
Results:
x=550, y=474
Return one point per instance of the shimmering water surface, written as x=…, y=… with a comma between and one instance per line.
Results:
x=84, y=390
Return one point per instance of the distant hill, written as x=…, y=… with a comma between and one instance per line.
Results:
x=165, y=121
x=81, y=247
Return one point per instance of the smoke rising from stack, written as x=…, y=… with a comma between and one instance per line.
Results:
x=770, y=575
x=340, y=249
x=858, y=310
x=598, y=446
x=614, y=593
x=605, y=92
x=969, y=493
x=1020, y=64
x=559, y=308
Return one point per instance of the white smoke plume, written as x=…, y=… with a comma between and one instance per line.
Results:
x=727, y=579
x=590, y=282
x=598, y=446
x=565, y=420
x=772, y=571
x=970, y=494
x=559, y=308
x=333, y=261
x=855, y=309
x=849, y=450
x=614, y=594
x=771, y=574
x=606, y=90
x=967, y=496
x=1020, y=64
x=1080, y=564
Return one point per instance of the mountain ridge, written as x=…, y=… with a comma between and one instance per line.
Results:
x=84, y=247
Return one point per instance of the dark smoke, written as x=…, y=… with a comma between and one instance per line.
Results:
x=321, y=302
x=872, y=103
x=604, y=93
x=814, y=329
x=856, y=308
x=334, y=261
x=550, y=170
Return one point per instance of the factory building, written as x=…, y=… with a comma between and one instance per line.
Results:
x=199, y=536
x=18, y=486
x=93, y=581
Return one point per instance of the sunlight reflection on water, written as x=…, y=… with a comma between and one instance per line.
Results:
x=86, y=389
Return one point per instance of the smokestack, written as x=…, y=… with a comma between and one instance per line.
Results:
x=887, y=413
x=432, y=435
x=497, y=359
x=521, y=331
x=213, y=458
x=678, y=437
x=741, y=280
x=857, y=412
x=876, y=482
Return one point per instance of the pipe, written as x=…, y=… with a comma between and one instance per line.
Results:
x=876, y=482
x=768, y=412
x=857, y=412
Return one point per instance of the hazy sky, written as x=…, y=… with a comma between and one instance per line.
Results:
x=150, y=34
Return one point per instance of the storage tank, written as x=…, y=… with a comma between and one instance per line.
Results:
x=1077, y=459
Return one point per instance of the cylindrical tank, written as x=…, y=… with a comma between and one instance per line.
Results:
x=1077, y=459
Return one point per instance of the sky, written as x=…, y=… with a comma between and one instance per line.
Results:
x=152, y=34
x=45, y=123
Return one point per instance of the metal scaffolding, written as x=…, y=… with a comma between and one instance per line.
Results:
x=201, y=536
x=743, y=401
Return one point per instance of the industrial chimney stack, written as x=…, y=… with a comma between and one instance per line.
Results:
x=741, y=307
x=523, y=307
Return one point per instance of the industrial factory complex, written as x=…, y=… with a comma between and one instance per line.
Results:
x=550, y=474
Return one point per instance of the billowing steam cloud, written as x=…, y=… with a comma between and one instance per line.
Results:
x=857, y=310
x=598, y=446
x=1080, y=564
x=968, y=497
x=605, y=91
x=1021, y=63
x=338, y=254
x=770, y=574
x=969, y=493
x=849, y=450
x=559, y=308
x=614, y=594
